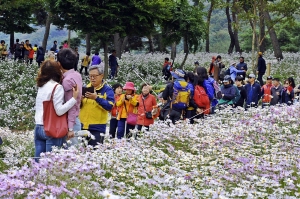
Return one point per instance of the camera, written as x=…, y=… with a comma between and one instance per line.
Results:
x=149, y=115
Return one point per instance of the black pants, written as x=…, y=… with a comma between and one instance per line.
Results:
x=113, y=124
x=98, y=138
x=85, y=68
x=190, y=114
x=175, y=115
x=259, y=78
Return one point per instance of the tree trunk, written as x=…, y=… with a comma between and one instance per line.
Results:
x=151, y=45
x=261, y=39
x=47, y=31
x=235, y=29
x=124, y=44
x=118, y=44
x=11, y=39
x=161, y=46
x=105, y=59
x=88, y=42
x=69, y=38
x=208, y=25
x=253, y=43
x=186, y=51
x=273, y=37
x=231, y=46
x=173, y=51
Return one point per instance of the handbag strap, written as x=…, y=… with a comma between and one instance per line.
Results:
x=51, y=98
x=125, y=107
x=143, y=104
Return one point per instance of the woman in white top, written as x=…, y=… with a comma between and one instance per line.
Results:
x=49, y=75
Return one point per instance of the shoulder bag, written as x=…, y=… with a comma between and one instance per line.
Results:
x=54, y=126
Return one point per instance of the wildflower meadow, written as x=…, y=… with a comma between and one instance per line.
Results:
x=231, y=154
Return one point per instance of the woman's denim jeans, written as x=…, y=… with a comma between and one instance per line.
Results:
x=43, y=143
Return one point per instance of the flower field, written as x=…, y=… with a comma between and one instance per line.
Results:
x=232, y=154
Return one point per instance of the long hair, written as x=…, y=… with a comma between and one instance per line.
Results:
x=201, y=76
x=291, y=82
x=49, y=70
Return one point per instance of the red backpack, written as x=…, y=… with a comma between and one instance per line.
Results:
x=201, y=99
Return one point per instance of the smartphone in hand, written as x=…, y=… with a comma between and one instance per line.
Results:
x=87, y=89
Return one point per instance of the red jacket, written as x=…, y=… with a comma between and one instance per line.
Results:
x=149, y=102
x=266, y=92
x=115, y=109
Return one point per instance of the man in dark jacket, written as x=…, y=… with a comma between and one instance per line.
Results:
x=253, y=91
x=276, y=91
x=242, y=66
x=261, y=68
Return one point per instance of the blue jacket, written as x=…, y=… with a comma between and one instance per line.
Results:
x=242, y=66
x=210, y=91
x=96, y=60
x=261, y=66
x=253, y=93
x=287, y=98
x=228, y=91
x=234, y=72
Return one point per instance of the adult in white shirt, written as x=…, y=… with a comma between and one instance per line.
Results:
x=49, y=75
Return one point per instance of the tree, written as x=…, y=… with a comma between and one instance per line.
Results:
x=105, y=18
x=187, y=23
x=16, y=16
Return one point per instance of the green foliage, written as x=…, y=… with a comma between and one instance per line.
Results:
x=15, y=16
x=187, y=22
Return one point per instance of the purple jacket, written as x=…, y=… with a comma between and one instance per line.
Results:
x=96, y=60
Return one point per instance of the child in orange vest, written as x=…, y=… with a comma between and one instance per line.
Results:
x=266, y=92
x=31, y=54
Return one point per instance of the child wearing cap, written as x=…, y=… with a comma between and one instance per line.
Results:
x=266, y=92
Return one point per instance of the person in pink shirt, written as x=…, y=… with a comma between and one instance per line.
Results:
x=71, y=78
x=66, y=45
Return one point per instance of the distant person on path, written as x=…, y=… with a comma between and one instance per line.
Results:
x=65, y=45
x=167, y=68
x=54, y=47
x=253, y=91
x=3, y=50
x=71, y=79
x=261, y=68
x=40, y=55
x=96, y=60
x=85, y=62
x=26, y=51
x=276, y=91
x=242, y=66
x=16, y=49
x=113, y=64
x=31, y=54
x=211, y=69
x=218, y=65
x=49, y=76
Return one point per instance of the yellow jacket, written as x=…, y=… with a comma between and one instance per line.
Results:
x=131, y=106
x=94, y=113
